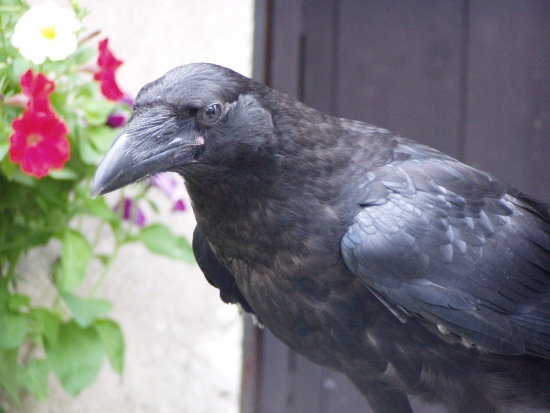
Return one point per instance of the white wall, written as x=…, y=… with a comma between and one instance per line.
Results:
x=183, y=344
x=155, y=36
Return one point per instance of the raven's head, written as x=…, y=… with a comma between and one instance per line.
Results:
x=195, y=117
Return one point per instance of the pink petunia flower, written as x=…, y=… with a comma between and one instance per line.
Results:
x=38, y=88
x=108, y=64
x=39, y=143
x=39, y=140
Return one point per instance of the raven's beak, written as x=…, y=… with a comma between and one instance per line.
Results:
x=151, y=143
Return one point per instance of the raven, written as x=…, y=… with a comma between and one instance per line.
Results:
x=369, y=253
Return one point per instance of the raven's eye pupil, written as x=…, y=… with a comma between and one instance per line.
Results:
x=211, y=114
x=211, y=111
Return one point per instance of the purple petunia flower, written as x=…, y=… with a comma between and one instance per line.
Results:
x=131, y=212
x=117, y=119
x=128, y=100
x=172, y=187
x=179, y=206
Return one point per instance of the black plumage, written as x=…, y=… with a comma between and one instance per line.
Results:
x=368, y=253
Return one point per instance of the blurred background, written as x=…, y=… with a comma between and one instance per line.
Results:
x=183, y=345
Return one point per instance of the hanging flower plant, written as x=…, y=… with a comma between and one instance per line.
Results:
x=60, y=104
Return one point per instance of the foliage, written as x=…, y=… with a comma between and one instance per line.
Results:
x=49, y=203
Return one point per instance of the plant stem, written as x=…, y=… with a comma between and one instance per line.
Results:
x=106, y=267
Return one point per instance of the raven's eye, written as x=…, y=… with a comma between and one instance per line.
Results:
x=211, y=114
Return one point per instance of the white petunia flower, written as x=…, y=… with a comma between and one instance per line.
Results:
x=46, y=31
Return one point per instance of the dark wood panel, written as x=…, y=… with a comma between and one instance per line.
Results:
x=273, y=378
x=251, y=365
x=306, y=385
x=319, y=51
x=508, y=110
x=341, y=395
x=286, y=28
x=399, y=67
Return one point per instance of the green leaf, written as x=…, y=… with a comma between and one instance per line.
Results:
x=94, y=142
x=13, y=329
x=97, y=207
x=46, y=323
x=4, y=147
x=95, y=109
x=8, y=373
x=105, y=259
x=86, y=310
x=34, y=378
x=113, y=342
x=87, y=151
x=22, y=178
x=11, y=6
x=101, y=137
x=77, y=252
x=16, y=301
x=83, y=55
x=65, y=174
x=159, y=239
x=76, y=358
x=8, y=168
x=19, y=66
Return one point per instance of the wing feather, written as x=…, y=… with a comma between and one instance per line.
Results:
x=452, y=246
x=216, y=273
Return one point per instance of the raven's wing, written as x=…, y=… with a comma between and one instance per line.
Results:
x=216, y=273
x=443, y=242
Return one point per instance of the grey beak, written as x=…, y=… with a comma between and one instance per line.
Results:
x=151, y=143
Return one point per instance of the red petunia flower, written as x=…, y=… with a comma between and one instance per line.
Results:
x=108, y=64
x=38, y=88
x=39, y=143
